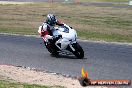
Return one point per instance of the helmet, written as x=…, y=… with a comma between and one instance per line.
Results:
x=51, y=20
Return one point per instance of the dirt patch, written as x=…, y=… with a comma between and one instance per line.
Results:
x=26, y=75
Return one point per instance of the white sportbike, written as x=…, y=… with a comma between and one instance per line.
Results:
x=66, y=41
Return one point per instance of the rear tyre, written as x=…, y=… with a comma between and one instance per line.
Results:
x=79, y=53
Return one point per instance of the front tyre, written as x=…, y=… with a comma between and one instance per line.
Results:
x=79, y=53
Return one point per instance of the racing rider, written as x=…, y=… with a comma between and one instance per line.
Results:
x=47, y=28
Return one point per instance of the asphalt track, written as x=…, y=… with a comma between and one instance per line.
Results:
x=102, y=60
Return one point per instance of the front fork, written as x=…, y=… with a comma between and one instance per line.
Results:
x=70, y=47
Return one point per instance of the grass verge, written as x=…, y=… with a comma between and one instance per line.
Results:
x=94, y=22
x=104, y=0
x=10, y=84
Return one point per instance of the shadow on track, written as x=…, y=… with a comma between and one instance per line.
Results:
x=71, y=56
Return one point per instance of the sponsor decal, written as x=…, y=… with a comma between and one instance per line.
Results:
x=86, y=81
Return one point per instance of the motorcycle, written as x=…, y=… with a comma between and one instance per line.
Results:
x=65, y=40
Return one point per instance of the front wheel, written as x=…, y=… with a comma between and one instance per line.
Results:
x=79, y=53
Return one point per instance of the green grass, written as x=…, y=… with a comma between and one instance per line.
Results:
x=9, y=84
x=105, y=37
x=104, y=0
x=107, y=23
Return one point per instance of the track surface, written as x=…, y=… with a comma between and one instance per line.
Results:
x=104, y=61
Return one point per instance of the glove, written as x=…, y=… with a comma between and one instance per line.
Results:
x=57, y=37
x=71, y=27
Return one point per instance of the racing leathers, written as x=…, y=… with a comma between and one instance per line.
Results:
x=46, y=30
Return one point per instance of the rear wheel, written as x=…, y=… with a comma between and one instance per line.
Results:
x=79, y=53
